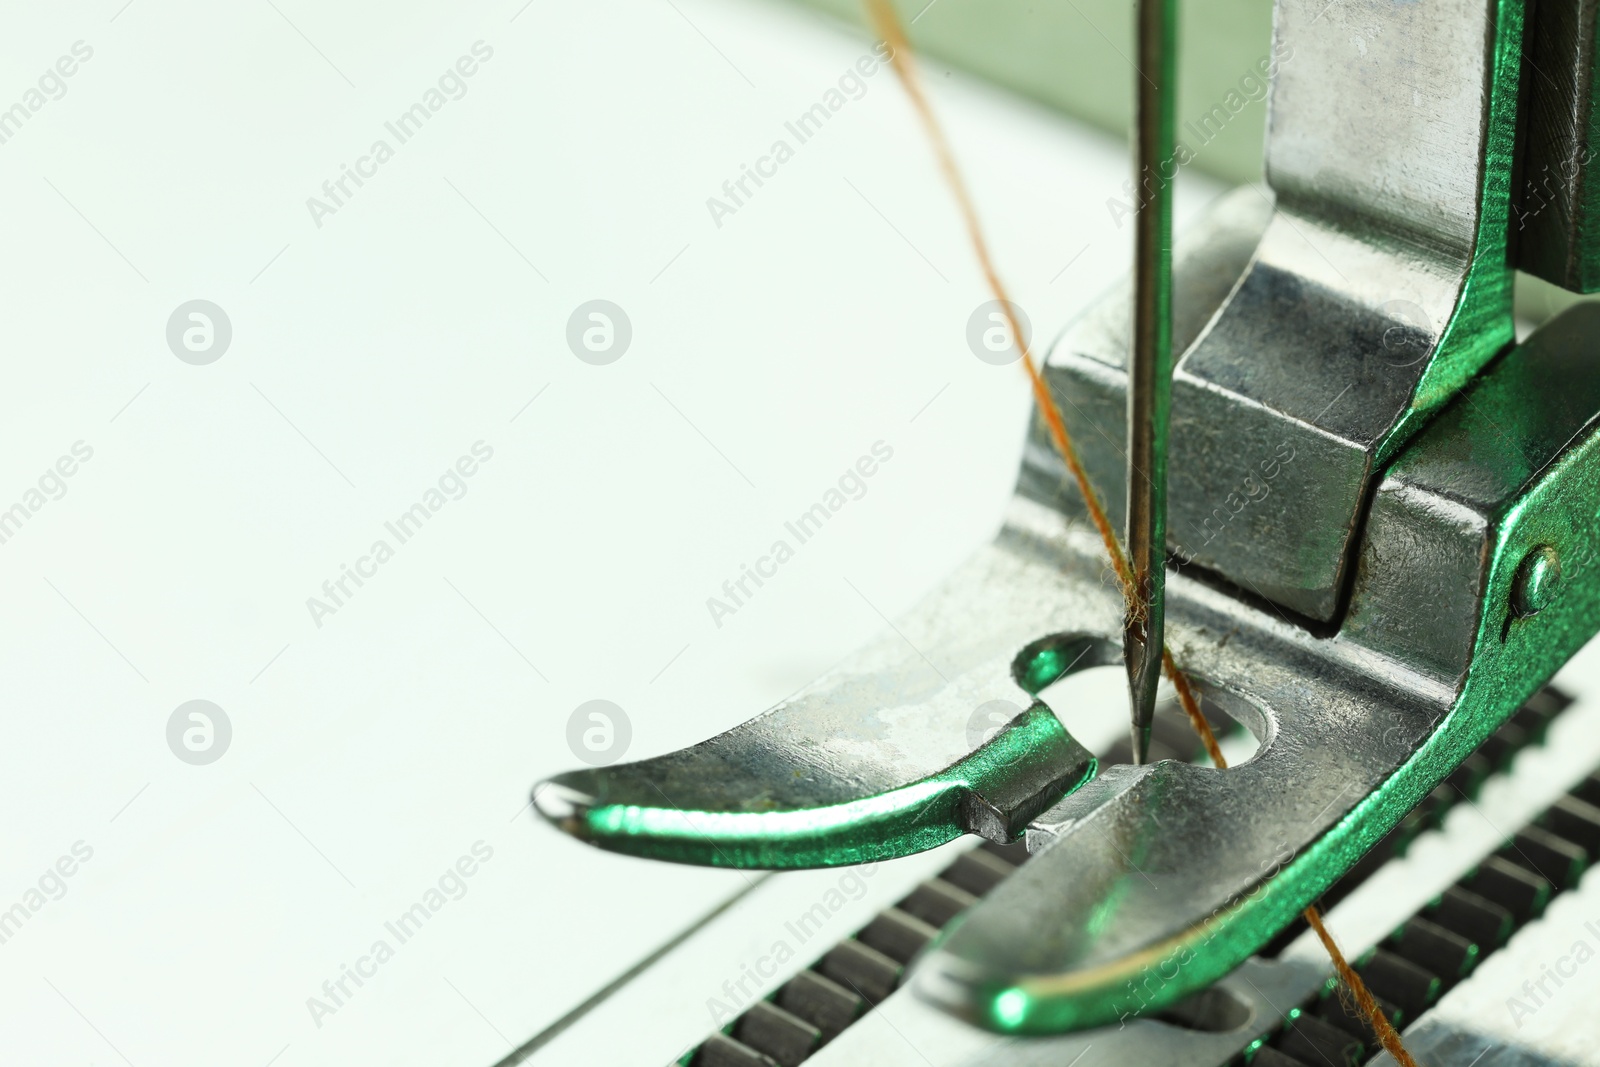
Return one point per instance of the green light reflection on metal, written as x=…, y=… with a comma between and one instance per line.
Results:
x=1045, y=668
x=912, y=818
x=1010, y=1007
x=1510, y=662
x=1513, y=657
x=1481, y=325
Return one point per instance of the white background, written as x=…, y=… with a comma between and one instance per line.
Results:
x=368, y=354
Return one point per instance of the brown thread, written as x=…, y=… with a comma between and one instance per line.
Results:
x=1387, y=1035
x=887, y=24
x=1191, y=707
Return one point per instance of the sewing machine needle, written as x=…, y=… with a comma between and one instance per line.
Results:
x=1150, y=364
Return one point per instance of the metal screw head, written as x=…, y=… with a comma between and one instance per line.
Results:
x=1537, y=582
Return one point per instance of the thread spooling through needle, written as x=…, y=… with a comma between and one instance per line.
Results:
x=887, y=25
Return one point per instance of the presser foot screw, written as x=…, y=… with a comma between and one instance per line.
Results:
x=1537, y=582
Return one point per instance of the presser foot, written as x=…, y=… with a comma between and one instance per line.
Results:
x=930, y=733
x=1152, y=882
x=1475, y=581
x=1380, y=525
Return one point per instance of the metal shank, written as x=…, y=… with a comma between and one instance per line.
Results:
x=1377, y=289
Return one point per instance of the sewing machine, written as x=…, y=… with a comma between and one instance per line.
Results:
x=1381, y=549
